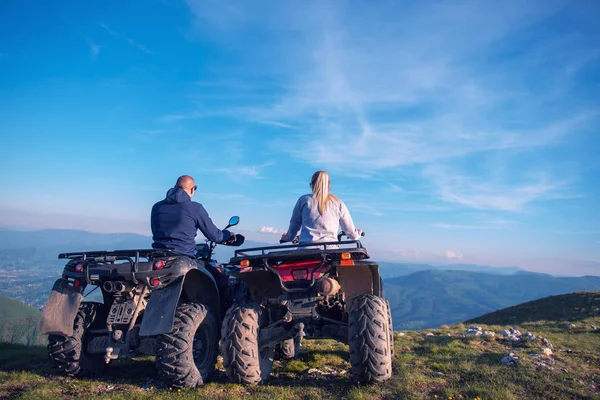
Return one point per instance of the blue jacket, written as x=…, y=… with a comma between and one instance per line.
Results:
x=175, y=221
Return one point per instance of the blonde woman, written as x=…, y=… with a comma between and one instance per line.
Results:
x=319, y=215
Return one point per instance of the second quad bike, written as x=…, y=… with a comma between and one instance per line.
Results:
x=156, y=302
x=312, y=290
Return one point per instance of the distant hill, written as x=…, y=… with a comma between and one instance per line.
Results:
x=45, y=245
x=565, y=307
x=389, y=269
x=429, y=299
x=18, y=323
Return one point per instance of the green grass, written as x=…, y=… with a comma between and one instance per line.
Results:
x=424, y=367
x=444, y=366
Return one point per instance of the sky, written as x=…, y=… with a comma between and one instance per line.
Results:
x=462, y=132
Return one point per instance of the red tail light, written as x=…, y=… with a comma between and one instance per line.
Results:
x=79, y=268
x=76, y=283
x=300, y=274
x=158, y=265
x=154, y=281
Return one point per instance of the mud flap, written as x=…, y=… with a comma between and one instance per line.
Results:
x=62, y=306
x=160, y=310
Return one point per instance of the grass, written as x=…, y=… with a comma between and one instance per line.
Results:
x=443, y=366
x=446, y=366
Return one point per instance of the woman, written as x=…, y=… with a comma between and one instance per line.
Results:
x=319, y=215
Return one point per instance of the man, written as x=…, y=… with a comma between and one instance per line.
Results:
x=176, y=219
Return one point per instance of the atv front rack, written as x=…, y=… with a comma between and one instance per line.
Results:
x=312, y=250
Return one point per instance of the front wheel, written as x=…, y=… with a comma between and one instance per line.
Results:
x=69, y=353
x=186, y=357
x=244, y=362
x=369, y=339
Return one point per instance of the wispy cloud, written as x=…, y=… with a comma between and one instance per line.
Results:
x=94, y=49
x=109, y=30
x=139, y=46
x=237, y=172
x=414, y=86
x=488, y=193
x=130, y=41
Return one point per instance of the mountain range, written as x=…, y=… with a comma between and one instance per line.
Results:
x=421, y=295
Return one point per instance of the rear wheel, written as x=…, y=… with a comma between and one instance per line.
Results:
x=69, y=353
x=369, y=339
x=244, y=362
x=186, y=357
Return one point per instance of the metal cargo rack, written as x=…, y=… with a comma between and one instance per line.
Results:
x=304, y=251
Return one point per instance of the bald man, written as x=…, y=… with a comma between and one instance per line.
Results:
x=176, y=219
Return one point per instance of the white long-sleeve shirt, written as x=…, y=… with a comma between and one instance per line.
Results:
x=315, y=227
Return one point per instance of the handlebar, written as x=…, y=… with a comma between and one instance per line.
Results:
x=294, y=241
x=342, y=233
x=239, y=240
x=339, y=237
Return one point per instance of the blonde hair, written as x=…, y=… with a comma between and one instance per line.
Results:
x=319, y=184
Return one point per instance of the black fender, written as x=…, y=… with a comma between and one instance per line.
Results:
x=361, y=278
x=196, y=285
x=60, y=310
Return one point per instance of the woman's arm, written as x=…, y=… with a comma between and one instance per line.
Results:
x=347, y=224
x=295, y=221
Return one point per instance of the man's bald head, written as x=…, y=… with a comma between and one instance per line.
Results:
x=187, y=183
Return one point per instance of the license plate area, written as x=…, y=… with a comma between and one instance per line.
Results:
x=121, y=311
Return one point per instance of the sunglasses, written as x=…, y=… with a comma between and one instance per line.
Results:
x=195, y=187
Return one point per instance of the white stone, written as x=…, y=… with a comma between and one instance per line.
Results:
x=510, y=359
x=547, y=351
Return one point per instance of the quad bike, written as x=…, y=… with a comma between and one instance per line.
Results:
x=156, y=302
x=312, y=290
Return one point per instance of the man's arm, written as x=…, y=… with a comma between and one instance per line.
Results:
x=207, y=227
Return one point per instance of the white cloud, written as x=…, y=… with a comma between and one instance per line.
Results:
x=451, y=255
x=269, y=229
x=421, y=256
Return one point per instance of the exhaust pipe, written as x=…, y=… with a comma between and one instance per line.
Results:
x=108, y=286
x=122, y=287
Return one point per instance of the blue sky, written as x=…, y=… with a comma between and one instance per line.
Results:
x=455, y=132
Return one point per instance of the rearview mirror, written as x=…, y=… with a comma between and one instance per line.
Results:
x=234, y=220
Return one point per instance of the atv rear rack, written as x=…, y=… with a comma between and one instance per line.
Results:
x=312, y=250
x=112, y=255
